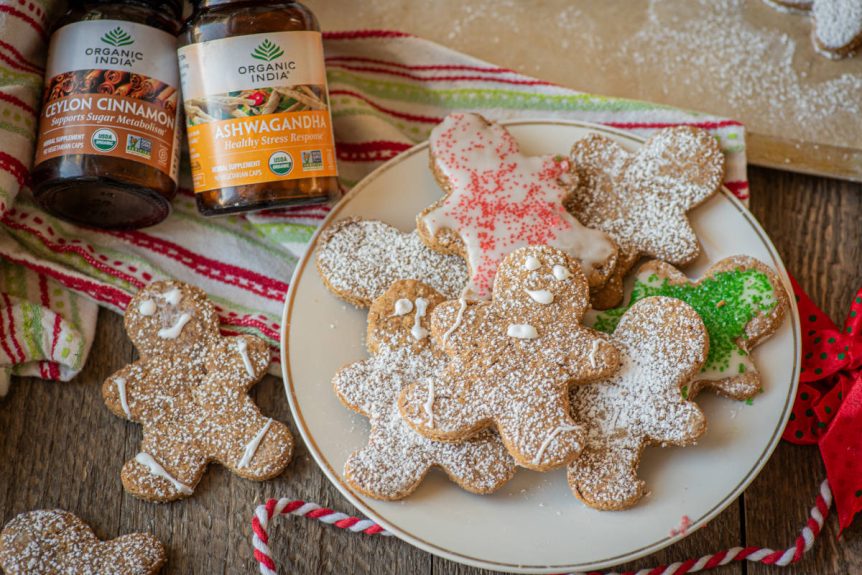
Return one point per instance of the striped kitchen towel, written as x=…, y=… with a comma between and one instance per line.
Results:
x=388, y=90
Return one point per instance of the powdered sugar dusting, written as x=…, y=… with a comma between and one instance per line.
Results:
x=57, y=542
x=641, y=199
x=663, y=344
x=359, y=259
x=516, y=385
x=837, y=23
x=742, y=69
x=396, y=457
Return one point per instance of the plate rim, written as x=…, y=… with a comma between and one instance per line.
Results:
x=356, y=499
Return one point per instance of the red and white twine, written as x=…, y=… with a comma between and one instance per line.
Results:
x=781, y=557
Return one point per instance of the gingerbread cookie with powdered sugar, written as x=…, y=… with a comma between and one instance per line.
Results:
x=837, y=24
x=359, y=259
x=641, y=199
x=741, y=301
x=56, y=542
x=189, y=390
x=663, y=344
x=512, y=361
x=397, y=458
x=499, y=199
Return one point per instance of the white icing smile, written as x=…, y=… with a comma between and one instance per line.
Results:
x=541, y=296
x=522, y=331
x=174, y=331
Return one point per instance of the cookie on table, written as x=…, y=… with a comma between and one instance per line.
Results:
x=641, y=199
x=512, y=360
x=396, y=458
x=498, y=200
x=56, y=542
x=189, y=391
x=741, y=301
x=837, y=24
x=663, y=344
x=359, y=259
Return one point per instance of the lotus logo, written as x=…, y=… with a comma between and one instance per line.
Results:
x=267, y=51
x=117, y=37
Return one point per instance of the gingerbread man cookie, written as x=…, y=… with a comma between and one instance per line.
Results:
x=640, y=199
x=189, y=390
x=397, y=458
x=513, y=360
x=837, y=30
x=663, y=344
x=498, y=199
x=741, y=301
x=56, y=542
x=359, y=259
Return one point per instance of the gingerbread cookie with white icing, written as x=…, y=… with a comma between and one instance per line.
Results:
x=741, y=301
x=512, y=361
x=837, y=24
x=663, y=344
x=56, y=542
x=359, y=259
x=641, y=199
x=397, y=458
x=189, y=390
x=499, y=199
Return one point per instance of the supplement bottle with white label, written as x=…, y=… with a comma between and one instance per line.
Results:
x=107, y=151
x=257, y=110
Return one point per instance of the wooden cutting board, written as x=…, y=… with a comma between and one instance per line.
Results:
x=737, y=58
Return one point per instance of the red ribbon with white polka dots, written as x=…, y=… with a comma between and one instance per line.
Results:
x=828, y=407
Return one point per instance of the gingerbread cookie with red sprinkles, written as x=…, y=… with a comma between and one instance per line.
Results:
x=641, y=199
x=663, y=344
x=498, y=199
x=189, y=391
x=397, y=458
x=56, y=542
x=512, y=360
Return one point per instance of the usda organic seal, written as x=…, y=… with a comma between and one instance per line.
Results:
x=280, y=163
x=104, y=140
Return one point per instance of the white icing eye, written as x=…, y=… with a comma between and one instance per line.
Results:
x=541, y=296
x=532, y=263
x=147, y=307
x=403, y=306
x=174, y=331
x=561, y=273
x=172, y=296
x=522, y=331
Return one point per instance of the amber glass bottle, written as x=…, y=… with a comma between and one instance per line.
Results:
x=257, y=111
x=107, y=151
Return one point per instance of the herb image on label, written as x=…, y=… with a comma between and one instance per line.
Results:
x=266, y=119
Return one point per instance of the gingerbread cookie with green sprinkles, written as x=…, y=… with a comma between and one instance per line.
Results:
x=741, y=301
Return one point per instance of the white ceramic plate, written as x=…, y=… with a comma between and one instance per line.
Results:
x=534, y=524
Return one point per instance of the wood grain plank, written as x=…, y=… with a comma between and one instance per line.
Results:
x=815, y=226
x=65, y=449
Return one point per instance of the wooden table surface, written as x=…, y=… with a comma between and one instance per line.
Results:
x=60, y=447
